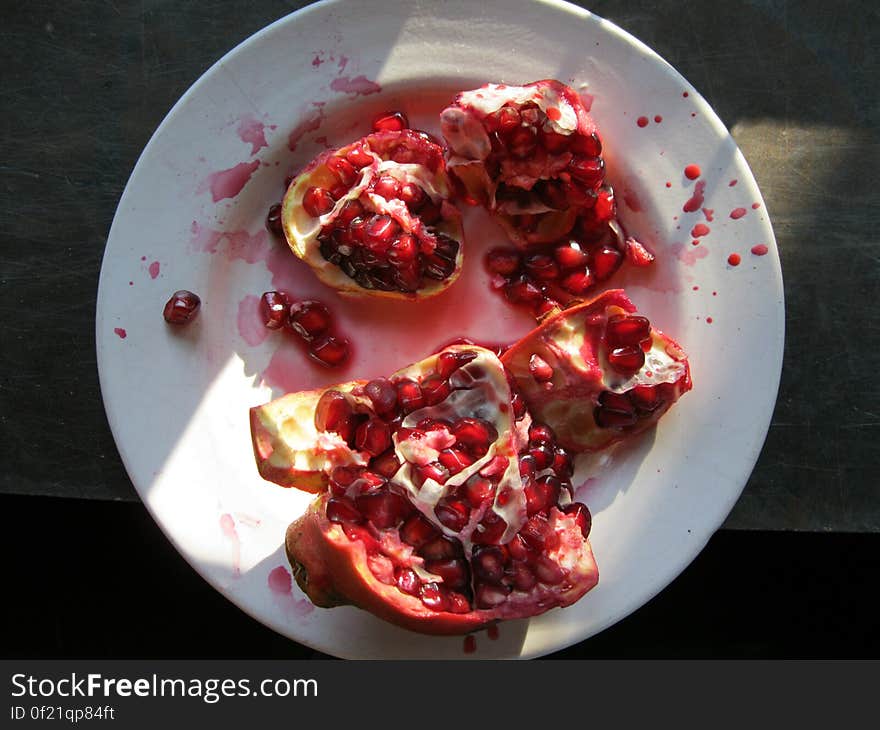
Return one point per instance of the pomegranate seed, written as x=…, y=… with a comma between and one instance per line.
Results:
x=605, y=262
x=540, y=433
x=507, y=118
x=609, y=418
x=452, y=571
x=477, y=490
x=543, y=267
x=474, y=434
x=522, y=141
x=563, y=464
x=351, y=210
x=434, y=390
x=309, y=318
x=408, y=581
x=554, y=142
x=342, y=509
x=429, y=213
x=604, y=208
x=542, y=494
x=390, y=122
x=341, y=478
x=543, y=456
x=317, y=201
x=329, y=350
x=441, y=548
x=452, y=513
x=386, y=464
x=540, y=369
x=373, y=436
x=384, y=509
x=379, y=232
x=645, y=397
x=182, y=307
x=449, y=362
x=589, y=145
x=534, y=532
x=417, y=531
x=368, y=482
x=333, y=412
x=454, y=460
x=343, y=170
x=458, y=603
x=518, y=549
x=578, y=283
x=274, y=308
x=527, y=465
x=358, y=533
x=503, y=261
x=489, y=561
x=489, y=596
x=552, y=194
x=409, y=395
x=403, y=250
x=273, y=221
x=588, y=170
x=359, y=157
x=434, y=597
x=615, y=401
x=519, y=406
x=623, y=330
x=582, y=516
x=412, y=195
x=490, y=529
x=522, y=577
x=571, y=255
x=387, y=187
x=523, y=291
x=548, y=572
x=383, y=395
x=628, y=359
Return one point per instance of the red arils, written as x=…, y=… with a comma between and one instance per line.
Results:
x=387, y=187
x=333, y=412
x=581, y=515
x=605, y=262
x=329, y=351
x=645, y=397
x=488, y=562
x=434, y=390
x=434, y=597
x=440, y=548
x=394, y=121
x=453, y=571
x=489, y=596
x=409, y=395
x=383, y=395
x=182, y=307
x=379, y=231
x=629, y=359
x=373, y=436
x=474, y=434
x=542, y=267
x=540, y=369
x=342, y=509
x=274, y=309
x=359, y=157
x=578, y=283
x=454, y=460
x=343, y=169
x=504, y=261
x=588, y=170
x=623, y=330
x=309, y=318
x=408, y=581
x=412, y=195
x=452, y=513
x=317, y=201
x=540, y=433
x=542, y=494
x=417, y=531
x=384, y=508
x=571, y=255
x=273, y=221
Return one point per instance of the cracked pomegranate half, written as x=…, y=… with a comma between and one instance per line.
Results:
x=598, y=372
x=374, y=217
x=443, y=505
x=533, y=156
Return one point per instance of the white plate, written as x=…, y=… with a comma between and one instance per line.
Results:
x=177, y=400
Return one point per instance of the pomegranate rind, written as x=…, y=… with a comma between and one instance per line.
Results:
x=571, y=342
x=407, y=156
x=333, y=570
x=289, y=450
x=462, y=124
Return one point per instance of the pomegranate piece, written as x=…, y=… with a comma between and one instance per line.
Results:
x=425, y=516
x=625, y=376
x=374, y=217
x=182, y=307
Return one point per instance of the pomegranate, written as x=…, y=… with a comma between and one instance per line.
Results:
x=598, y=372
x=442, y=506
x=374, y=217
x=182, y=307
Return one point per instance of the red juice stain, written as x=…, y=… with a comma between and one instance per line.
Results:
x=359, y=85
x=143, y=258
x=553, y=113
x=709, y=213
x=732, y=183
x=236, y=245
x=693, y=114
x=492, y=632
x=755, y=206
x=587, y=99
x=309, y=124
x=709, y=320
x=229, y=183
x=695, y=242
x=692, y=172
x=696, y=288
x=737, y=213
x=642, y=121
x=342, y=63
x=701, y=229
x=695, y=202
x=317, y=61
x=657, y=119
x=279, y=581
x=227, y=527
x=253, y=132
x=470, y=644
x=668, y=184
x=250, y=324
x=734, y=259
x=685, y=94
x=714, y=293
x=131, y=283
x=121, y=333
x=760, y=250
x=689, y=256
x=632, y=200
x=154, y=269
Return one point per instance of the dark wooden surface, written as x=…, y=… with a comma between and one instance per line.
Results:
x=84, y=85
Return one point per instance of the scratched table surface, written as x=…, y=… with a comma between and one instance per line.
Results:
x=85, y=84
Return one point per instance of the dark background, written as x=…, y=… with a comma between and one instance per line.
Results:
x=84, y=85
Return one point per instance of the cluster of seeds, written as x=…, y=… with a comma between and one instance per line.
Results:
x=310, y=321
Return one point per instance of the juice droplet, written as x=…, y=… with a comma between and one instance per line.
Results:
x=734, y=259
x=709, y=320
x=657, y=119
x=737, y=213
x=692, y=172
x=470, y=644
x=642, y=121
x=760, y=250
